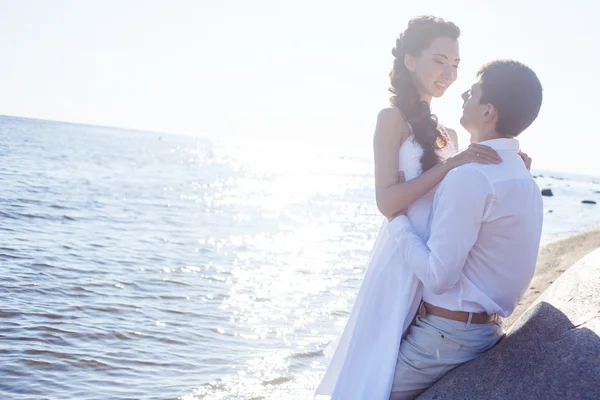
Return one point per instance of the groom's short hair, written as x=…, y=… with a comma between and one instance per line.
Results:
x=515, y=92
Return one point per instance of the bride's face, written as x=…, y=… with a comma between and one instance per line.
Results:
x=436, y=68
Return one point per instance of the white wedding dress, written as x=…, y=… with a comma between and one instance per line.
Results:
x=363, y=358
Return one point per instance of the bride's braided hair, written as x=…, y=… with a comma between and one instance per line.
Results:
x=417, y=37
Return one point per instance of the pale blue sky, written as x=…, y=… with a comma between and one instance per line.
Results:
x=310, y=71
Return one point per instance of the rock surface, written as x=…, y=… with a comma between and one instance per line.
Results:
x=547, y=192
x=551, y=352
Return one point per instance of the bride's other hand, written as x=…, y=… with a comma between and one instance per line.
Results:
x=526, y=159
x=475, y=153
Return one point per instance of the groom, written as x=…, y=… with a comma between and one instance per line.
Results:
x=485, y=235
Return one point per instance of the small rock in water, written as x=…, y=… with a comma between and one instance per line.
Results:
x=588, y=202
x=547, y=192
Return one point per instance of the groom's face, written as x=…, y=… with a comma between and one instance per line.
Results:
x=474, y=116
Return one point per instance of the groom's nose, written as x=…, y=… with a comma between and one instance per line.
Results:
x=465, y=97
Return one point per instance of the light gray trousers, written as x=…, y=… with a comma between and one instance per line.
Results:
x=433, y=347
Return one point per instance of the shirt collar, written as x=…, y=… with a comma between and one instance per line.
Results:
x=502, y=144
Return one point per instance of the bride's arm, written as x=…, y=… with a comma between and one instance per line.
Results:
x=392, y=196
x=391, y=131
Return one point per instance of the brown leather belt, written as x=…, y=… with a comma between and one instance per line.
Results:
x=462, y=316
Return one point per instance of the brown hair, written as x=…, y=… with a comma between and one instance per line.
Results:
x=516, y=93
x=417, y=37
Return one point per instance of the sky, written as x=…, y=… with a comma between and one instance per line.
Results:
x=312, y=72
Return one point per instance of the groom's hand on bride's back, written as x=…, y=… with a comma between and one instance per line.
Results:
x=401, y=179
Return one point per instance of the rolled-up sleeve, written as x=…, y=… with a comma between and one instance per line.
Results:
x=458, y=210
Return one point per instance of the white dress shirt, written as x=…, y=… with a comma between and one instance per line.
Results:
x=485, y=235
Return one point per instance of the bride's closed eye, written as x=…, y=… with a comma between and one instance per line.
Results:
x=442, y=63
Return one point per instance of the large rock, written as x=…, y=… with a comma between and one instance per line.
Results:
x=551, y=352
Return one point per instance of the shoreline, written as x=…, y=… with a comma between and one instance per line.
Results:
x=554, y=258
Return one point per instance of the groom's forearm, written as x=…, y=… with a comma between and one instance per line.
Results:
x=418, y=257
x=457, y=214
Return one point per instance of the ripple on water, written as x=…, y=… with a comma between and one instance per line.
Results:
x=176, y=268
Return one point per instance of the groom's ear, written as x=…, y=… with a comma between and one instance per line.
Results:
x=490, y=113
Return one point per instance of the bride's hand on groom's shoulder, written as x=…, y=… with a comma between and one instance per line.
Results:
x=526, y=159
x=475, y=153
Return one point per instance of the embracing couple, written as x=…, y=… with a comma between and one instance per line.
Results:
x=459, y=243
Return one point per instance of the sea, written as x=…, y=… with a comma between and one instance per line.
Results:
x=143, y=265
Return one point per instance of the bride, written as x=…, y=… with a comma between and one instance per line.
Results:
x=408, y=139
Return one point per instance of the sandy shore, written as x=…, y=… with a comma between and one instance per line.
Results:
x=553, y=260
